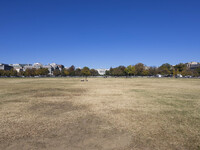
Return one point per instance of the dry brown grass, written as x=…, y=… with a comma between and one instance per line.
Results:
x=110, y=114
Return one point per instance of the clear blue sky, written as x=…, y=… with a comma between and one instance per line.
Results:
x=99, y=33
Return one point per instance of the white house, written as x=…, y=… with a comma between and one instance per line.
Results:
x=102, y=71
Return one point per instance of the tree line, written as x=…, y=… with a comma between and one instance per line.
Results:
x=165, y=69
x=71, y=71
x=132, y=70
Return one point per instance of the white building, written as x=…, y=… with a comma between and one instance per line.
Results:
x=17, y=67
x=50, y=68
x=5, y=66
x=193, y=65
x=102, y=71
x=37, y=65
x=54, y=65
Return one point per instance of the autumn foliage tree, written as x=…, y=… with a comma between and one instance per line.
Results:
x=85, y=72
x=30, y=72
x=64, y=72
x=94, y=72
x=78, y=72
x=139, y=68
x=71, y=70
x=56, y=72
x=42, y=71
x=130, y=70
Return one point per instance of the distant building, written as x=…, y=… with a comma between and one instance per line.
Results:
x=54, y=65
x=50, y=68
x=37, y=65
x=17, y=67
x=20, y=67
x=193, y=65
x=27, y=67
x=146, y=67
x=5, y=67
x=102, y=71
x=60, y=67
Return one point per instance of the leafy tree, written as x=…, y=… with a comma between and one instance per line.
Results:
x=152, y=71
x=111, y=71
x=64, y=72
x=130, y=70
x=38, y=71
x=30, y=72
x=42, y=71
x=198, y=71
x=56, y=72
x=195, y=73
x=71, y=70
x=78, y=72
x=6, y=73
x=94, y=72
x=145, y=72
x=13, y=72
x=1, y=72
x=139, y=68
x=20, y=73
x=107, y=73
x=85, y=72
x=118, y=71
x=180, y=67
x=45, y=71
x=186, y=72
x=165, y=69
x=167, y=65
x=174, y=72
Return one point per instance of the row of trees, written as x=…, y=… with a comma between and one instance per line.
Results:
x=72, y=71
x=28, y=72
x=8, y=73
x=142, y=70
x=131, y=70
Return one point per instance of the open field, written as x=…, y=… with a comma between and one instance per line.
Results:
x=110, y=114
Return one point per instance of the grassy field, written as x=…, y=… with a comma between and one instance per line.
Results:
x=107, y=114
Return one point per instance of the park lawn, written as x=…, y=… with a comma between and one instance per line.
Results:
x=103, y=113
